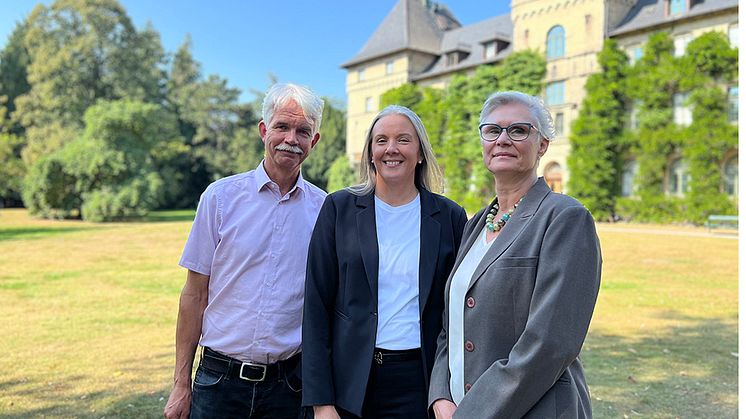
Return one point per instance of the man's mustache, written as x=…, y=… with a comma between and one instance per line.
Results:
x=291, y=148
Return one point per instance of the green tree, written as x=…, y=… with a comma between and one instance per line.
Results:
x=12, y=169
x=709, y=63
x=523, y=71
x=110, y=171
x=82, y=51
x=14, y=60
x=340, y=175
x=595, y=159
x=331, y=145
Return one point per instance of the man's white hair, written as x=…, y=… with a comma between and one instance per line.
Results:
x=280, y=93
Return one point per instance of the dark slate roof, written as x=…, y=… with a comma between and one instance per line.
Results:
x=470, y=39
x=651, y=13
x=408, y=26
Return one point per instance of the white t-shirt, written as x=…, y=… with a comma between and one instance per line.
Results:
x=456, y=297
x=398, y=230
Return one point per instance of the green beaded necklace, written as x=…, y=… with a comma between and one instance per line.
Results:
x=493, y=226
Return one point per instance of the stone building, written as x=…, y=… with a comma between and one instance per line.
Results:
x=423, y=42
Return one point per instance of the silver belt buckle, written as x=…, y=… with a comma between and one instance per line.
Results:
x=244, y=364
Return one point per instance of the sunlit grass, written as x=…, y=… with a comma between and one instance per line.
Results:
x=89, y=312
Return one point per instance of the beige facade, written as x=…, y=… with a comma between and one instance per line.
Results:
x=584, y=25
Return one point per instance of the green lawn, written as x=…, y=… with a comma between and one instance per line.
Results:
x=89, y=312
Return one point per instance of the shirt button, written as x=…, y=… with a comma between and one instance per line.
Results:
x=470, y=302
x=469, y=346
x=467, y=387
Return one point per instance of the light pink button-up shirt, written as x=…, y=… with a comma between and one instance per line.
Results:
x=253, y=244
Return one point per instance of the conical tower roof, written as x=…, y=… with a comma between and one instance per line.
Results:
x=408, y=26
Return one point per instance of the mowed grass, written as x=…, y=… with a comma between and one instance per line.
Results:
x=89, y=312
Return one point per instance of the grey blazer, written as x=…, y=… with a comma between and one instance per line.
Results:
x=530, y=303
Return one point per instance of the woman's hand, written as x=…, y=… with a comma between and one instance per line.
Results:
x=444, y=409
x=325, y=412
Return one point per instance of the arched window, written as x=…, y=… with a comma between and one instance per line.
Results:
x=553, y=176
x=677, y=177
x=731, y=176
x=629, y=173
x=556, y=42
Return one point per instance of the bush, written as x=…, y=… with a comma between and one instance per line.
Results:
x=49, y=190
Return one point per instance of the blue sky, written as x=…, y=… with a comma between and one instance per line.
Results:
x=244, y=41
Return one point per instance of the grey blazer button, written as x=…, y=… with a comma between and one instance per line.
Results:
x=470, y=302
x=469, y=346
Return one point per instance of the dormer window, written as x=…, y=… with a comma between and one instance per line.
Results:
x=490, y=49
x=455, y=57
x=676, y=7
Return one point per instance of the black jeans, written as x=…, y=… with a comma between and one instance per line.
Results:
x=217, y=395
x=396, y=389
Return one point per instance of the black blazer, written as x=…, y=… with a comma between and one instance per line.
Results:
x=341, y=299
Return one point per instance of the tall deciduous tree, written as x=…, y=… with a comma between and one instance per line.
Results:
x=14, y=61
x=112, y=165
x=331, y=145
x=82, y=51
x=595, y=159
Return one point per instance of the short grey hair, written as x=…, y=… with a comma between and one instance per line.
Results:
x=280, y=93
x=427, y=175
x=534, y=105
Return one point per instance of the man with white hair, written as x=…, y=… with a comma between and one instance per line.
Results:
x=246, y=261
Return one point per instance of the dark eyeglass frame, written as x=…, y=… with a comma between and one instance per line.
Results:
x=507, y=130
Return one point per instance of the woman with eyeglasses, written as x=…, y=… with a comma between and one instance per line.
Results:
x=522, y=291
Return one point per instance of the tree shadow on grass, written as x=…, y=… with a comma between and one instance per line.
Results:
x=27, y=233
x=59, y=396
x=688, y=370
x=170, y=216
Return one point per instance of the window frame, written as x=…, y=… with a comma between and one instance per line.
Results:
x=555, y=43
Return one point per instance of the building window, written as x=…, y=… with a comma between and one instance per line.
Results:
x=389, y=67
x=361, y=74
x=556, y=93
x=525, y=36
x=731, y=176
x=635, y=54
x=553, y=176
x=559, y=124
x=368, y=104
x=679, y=44
x=634, y=115
x=490, y=49
x=733, y=104
x=682, y=113
x=452, y=58
x=733, y=35
x=676, y=7
x=629, y=173
x=556, y=42
x=677, y=178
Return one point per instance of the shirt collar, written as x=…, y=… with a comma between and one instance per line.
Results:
x=262, y=179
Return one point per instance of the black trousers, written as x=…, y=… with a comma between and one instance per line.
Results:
x=396, y=389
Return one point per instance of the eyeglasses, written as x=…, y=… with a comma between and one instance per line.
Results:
x=517, y=131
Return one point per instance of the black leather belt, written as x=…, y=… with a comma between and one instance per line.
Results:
x=248, y=371
x=392, y=355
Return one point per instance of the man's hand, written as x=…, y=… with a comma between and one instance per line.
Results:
x=444, y=409
x=179, y=402
x=325, y=412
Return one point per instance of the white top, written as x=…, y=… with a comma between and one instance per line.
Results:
x=456, y=298
x=398, y=231
x=253, y=242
